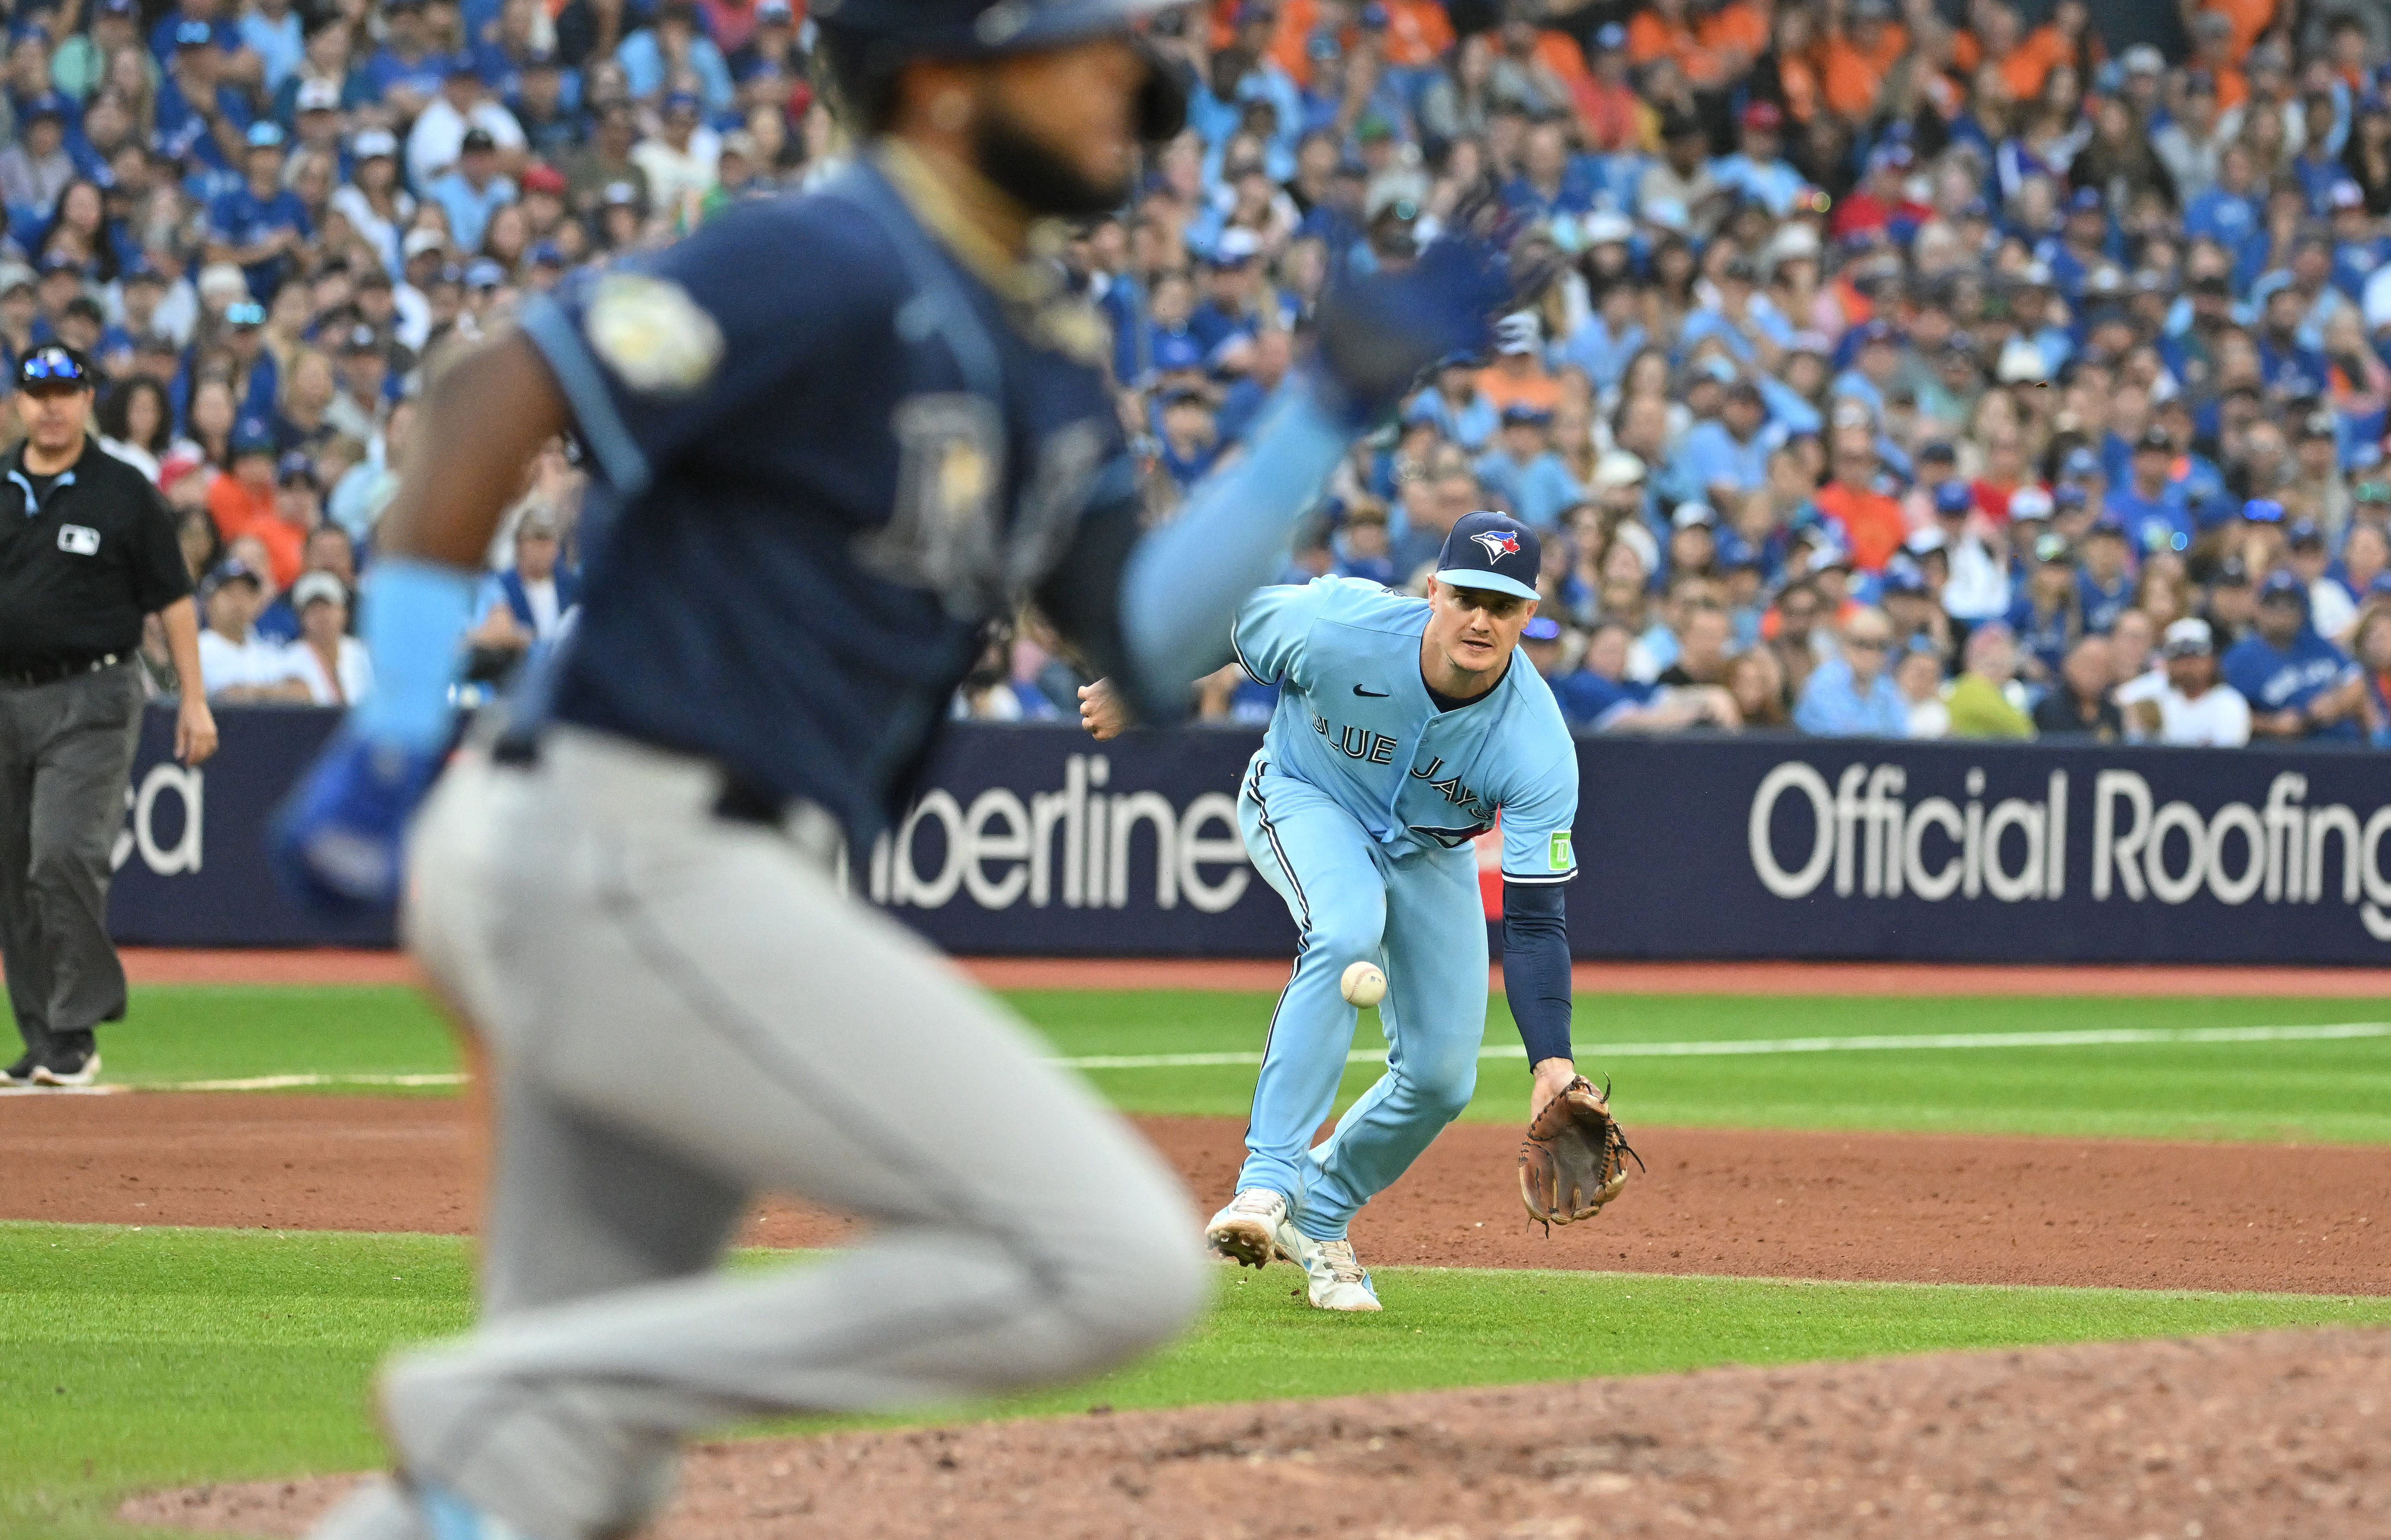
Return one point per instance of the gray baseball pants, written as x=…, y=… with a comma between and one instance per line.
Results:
x=679, y=1012
x=66, y=750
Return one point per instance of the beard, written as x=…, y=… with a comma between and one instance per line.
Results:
x=1035, y=176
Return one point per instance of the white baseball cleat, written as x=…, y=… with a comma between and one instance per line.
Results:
x=1247, y=1231
x=1336, y=1278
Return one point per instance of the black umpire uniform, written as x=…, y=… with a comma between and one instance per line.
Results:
x=85, y=554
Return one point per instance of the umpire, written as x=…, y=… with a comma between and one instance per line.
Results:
x=87, y=549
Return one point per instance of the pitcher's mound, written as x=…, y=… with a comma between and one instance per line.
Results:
x=2270, y=1434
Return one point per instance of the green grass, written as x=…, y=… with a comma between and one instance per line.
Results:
x=2334, y=1091
x=132, y=1359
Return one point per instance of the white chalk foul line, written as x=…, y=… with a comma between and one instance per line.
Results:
x=2089, y=1038
x=296, y=1082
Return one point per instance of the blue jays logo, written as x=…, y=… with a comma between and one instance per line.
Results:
x=1499, y=543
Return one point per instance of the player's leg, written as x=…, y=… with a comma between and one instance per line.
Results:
x=1320, y=859
x=698, y=988
x=1435, y=1019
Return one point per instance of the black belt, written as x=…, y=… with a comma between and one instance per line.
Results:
x=51, y=670
x=741, y=801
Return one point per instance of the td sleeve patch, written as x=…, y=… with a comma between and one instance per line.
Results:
x=1558, y=855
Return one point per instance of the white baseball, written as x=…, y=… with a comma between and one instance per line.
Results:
x=1363, y=984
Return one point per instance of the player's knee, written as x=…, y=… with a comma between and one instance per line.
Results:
x=1446, y=1086
x=1342, y=941
x=1148, y=1282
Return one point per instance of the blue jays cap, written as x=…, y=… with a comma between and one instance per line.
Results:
x=2305, y=535
x=193, y=34
x=2263, y=511
x=1901, y=577
x=2080, y=463
x=2282, y=586
x=2066, y=497
x=1491, y=550
x=252, y=436
x=1520, y=414
x=1543, y=628
x=230, y=570
x=264, y=133
x=1954, y=499
x=1173, y=352
x=2110, y=524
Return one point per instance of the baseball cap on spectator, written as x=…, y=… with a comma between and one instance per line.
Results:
x=1543, y=628
x=2081, y=464
x=2054, y=551
x=2263, y=511
x=13, y=277
x=2145, y=59
x=178, y=464
x=2318, y=424
x=1607, y=227
x=1609, y=38
x=232, y=569
x=2305, y=535
x=2283, y=587
x=244, y=314
x=194, y=34
x=2087, y=201
x=483, y=273
x=264, y=133
x=1618, y=467
x=2346, y=194
x=2154, y=440
x=420, y=241
x=1762, y=117
x=375, y=276
x=1954, y=499
x=2028, y=504
x=1937, y=451
x=477, y=141
x=1491, y=550
x=2187, y=638
x=317, y=96
x=2373, y=489
x=620, y=195
x=1176, y=351
x=1694, y=515
x=540, y=176
x=1237, y=247
x=1524, y=414
x=1902, y=577
x=2231, y=572
x=252, y=436
x=317, y=587
x=547, y=255
x=118, y=8
x=376, y=144
x=360, y=338
x=294, y=466
x=774, y=13
x=1517, y=333
x=2108, y=527
x=2066, y=498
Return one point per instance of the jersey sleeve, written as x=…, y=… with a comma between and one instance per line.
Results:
x=652, y=353
x=1269, y=633
x=1536, y=828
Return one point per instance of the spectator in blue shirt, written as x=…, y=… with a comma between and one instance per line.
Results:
x=1524, y=471
x=2104, y=584
x=2150, y=507
x=2298, y=684
x=472, y=189
x=2046, y=618
x=1722, y=458
x=1461, y=411
x=406, y=72
x=1853, y=695
x=201, y=115
x=1756, y=170
x=261, y=225
x=653, y=55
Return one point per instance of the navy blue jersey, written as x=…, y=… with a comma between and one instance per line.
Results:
x=829, y=450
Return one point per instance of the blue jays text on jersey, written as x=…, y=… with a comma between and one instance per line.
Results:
x=1356, y=720
x=879, y=433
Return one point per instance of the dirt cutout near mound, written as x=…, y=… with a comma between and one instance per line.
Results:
x=1922, y=1208
x=2251, y=1438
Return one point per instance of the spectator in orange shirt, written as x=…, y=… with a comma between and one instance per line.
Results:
x=1615, y=116
x=1418, y=32
x=1859, y=56
x=2212, y=50
x=1873, y=522
x=1517, y=377
x=244, y=495
x=2247, y=20
x=1667, y=31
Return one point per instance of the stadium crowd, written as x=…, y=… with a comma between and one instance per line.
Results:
x=1908, y=369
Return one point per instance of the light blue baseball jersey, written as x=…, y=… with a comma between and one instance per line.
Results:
x=1354, y=719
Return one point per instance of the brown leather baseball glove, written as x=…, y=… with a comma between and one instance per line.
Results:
x=1575, y=1157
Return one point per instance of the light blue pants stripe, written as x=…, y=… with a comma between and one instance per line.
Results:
x=1420, y=918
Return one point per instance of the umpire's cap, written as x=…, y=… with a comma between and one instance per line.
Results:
x=880, y=35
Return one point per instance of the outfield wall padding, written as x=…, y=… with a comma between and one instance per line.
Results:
x=1036, y=841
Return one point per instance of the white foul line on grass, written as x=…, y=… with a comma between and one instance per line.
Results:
x=2087, y=1037
x=296, y=1082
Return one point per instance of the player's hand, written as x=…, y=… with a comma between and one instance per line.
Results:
x=1379, y=333
x=1101, y=711
x=1552, y=1077
x=335, y=841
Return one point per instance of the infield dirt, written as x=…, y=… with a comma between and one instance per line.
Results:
x=1917, y=1208
x=2250, y=1437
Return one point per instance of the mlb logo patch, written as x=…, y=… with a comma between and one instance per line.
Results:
x=78, y=540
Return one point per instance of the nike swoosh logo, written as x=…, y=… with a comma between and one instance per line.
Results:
x=1380, y=695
